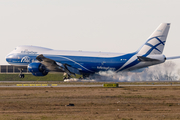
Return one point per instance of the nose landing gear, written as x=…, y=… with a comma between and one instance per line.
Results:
x=21, y=75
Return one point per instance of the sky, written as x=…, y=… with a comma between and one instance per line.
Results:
x=120, y=26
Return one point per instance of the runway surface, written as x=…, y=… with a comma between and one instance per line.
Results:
x=73, y=84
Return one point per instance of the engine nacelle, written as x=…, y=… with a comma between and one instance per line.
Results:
x=37, y=69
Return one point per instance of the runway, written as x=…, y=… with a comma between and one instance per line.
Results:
x=57, y=86
x=79, y=84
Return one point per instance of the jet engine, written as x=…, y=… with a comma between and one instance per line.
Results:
x=37, y=69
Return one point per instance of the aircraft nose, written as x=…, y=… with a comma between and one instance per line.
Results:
x=9, y=58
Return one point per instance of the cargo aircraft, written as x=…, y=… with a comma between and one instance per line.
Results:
x=40, y=61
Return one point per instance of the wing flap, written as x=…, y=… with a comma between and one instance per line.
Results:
x=73, y=70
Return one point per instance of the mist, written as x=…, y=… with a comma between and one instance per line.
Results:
x=163, y=72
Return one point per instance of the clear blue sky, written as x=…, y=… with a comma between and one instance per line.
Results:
x=89, y=25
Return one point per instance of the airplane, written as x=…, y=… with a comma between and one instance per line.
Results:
x=40, y=61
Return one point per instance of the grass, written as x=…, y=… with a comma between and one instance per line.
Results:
x=30, y=77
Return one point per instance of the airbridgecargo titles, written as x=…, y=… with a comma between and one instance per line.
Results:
x=105, y=68
x=28, y=52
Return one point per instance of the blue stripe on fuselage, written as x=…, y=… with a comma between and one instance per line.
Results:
x=84, y=63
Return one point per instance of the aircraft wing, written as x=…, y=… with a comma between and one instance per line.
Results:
x=50, y=64
x=57, y=66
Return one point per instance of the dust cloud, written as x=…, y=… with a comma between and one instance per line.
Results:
x=162, y=72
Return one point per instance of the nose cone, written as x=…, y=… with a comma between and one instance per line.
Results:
x=13, y=59
x=9, y=58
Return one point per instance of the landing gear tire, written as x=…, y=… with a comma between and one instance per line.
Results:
x=69, y=77
x=85, y=76
x=64, y=78
x=21, y=75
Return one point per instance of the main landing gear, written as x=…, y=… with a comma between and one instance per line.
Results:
x=21, y=75
x=85, y=76
x=68, y=77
